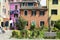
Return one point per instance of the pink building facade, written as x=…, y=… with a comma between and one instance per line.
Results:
x=12, y=6
x=14, y=13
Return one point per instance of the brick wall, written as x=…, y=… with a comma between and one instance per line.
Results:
x=36, y=18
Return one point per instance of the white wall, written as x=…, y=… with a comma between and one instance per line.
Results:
x=43, y=2
x=2, y=4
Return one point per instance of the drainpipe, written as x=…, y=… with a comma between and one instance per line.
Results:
x=49, y=19
x=49, y=24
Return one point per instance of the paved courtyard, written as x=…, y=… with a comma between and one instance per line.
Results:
x=6, y=35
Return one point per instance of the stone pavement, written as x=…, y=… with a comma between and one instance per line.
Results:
x=6, y=35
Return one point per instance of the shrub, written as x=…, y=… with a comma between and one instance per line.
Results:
x=57, y=24
x=54, y=29
x=45, y=28
x=41, y=34
x=28, y=34
x=23, y=33
x=21, y=23
x=36, y=33
x=32, y=27
x=58, y=35
x=16, y=34
x=13, y=33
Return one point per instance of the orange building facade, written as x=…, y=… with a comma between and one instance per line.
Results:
x=34, y=13
x=39, y=19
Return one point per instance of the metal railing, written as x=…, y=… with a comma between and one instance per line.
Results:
x=29, y=0
x=14, y=12
x=13, y=1
x=30, y=7
x=22, y=0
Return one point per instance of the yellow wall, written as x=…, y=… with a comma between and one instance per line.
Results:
x=54, y=6
x=1, y=20
x=0, y=7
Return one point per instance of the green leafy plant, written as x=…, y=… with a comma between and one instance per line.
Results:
x=16, y=34
x=41, y=34
x=45, y=29
x=58, y=35
x=32, y=26
x=57, y=24
x=21, y=23
x=23, y=33
x=54, y=29
x=28, y=34
x=33, y=33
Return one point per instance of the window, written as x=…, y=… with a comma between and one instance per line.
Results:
x=52, y=23
x=8, y=0
x=10, y=25
x=10, y=18
x=23, y=4
x=17, y=0
x=33, y=13
x=6, y=23
x=54, y=1
x=15, y=15
x=33, y=23
x=25, y=12
x=5, y=0
x=42, y=13
x=11, y=12
x=27, y=23
x=54, y=12
x=30, y=4
x=4, y=10
x=41, y=23
x=16, y=6
x=11, y=0
x=2, y=24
